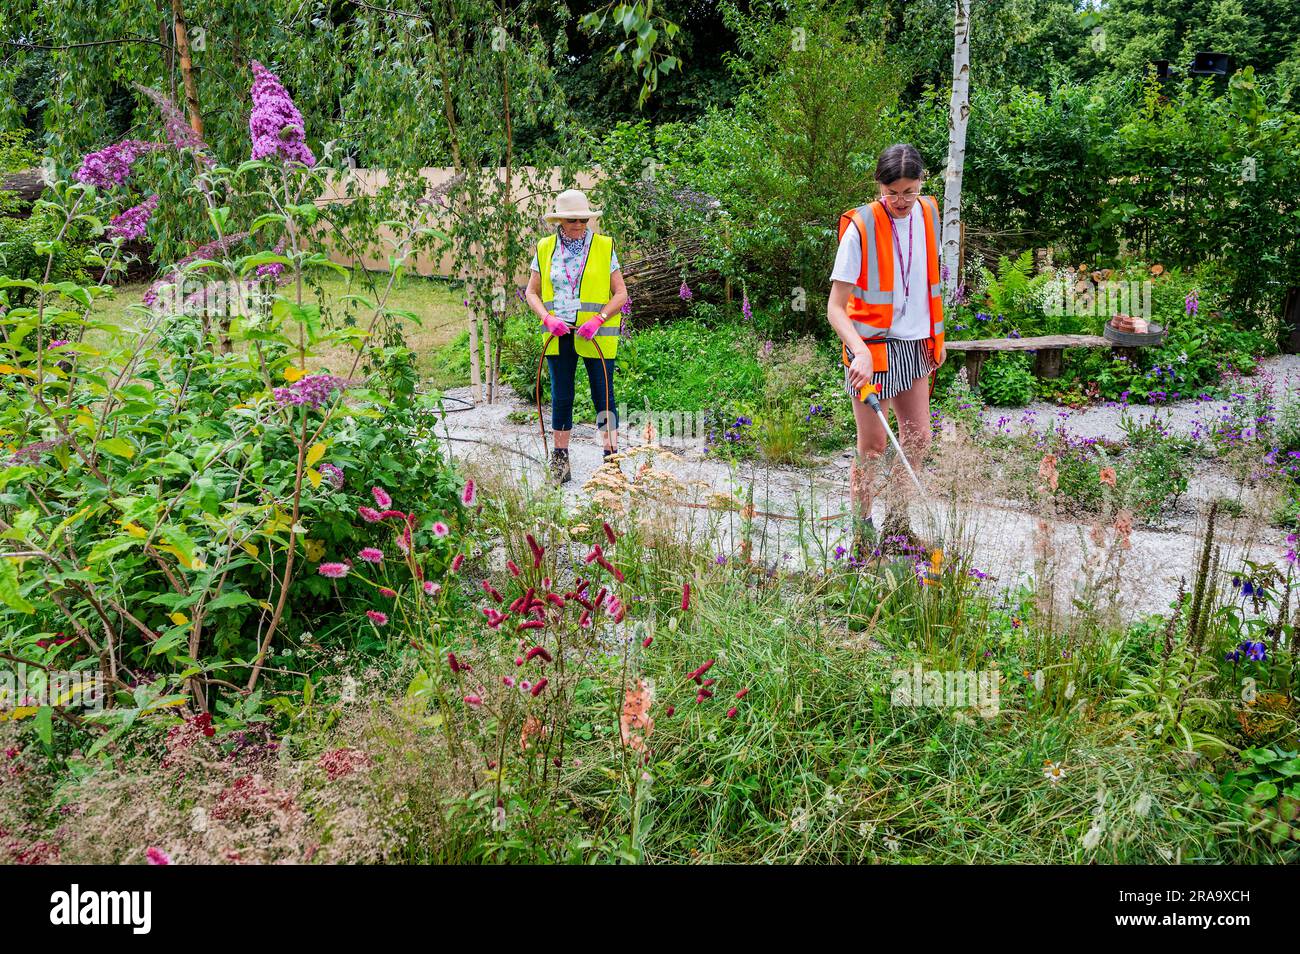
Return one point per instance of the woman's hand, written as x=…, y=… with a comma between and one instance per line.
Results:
x=940, y=356
x=591, y=326
x=554, y=325
x=860, y=371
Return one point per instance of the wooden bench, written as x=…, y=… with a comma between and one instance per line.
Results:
x=1048, y=348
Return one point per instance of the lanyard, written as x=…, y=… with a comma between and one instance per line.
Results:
x=907, y=270
x=573, y=282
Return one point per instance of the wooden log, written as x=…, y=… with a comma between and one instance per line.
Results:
x=974, y=361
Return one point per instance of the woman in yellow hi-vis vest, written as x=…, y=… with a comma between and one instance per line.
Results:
x=576, y=289
x=886, y=306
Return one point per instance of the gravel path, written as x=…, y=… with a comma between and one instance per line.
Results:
x=1000, y=533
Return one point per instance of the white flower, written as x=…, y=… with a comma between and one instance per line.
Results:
x=1092, y=838
x=1143, y=805
x=1053, y=771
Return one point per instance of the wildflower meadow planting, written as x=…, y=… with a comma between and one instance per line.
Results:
x=311, y=552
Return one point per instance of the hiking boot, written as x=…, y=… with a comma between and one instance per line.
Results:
x=560, y=465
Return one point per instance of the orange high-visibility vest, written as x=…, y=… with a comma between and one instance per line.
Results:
x=871, y=303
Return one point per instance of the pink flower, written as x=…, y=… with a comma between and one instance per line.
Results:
x=472, y=700
x=431, y=588
x=382, y=500
x=609, y=532
x=731, y=713
x=369, y=514
x=156, y=856
x=372, y=555
x=686, y=596
x=385, y=591
x=378, y=618
x=537, y=689
x=455, y=563
x=467, y=495
x=508, y=681
x=335, y=571
x=742, y=693
x=440, y=529
x=701, y=671
x=512, y=567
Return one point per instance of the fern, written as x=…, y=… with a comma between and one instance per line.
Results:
x=1007, y=290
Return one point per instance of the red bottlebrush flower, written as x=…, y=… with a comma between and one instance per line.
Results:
x=645, y=643
x=742, y=693
x=585, y=604
x=369, y=514
x=609, y=532
x=618, y=574
x=381, y=497
x=530, y=624
x=600, y=597
x=491, y=591
x=537, y=689
x=538, y=651
x=605, y=563
x=686, y=597
x=555, y=599
x=472, y=700
x=731, y=713
x=701, y=671
x=582, y=585
x=708, y=682
x=512, y=567
x=457, y=561
x=415, y=645
x=670, y=710
x=528, y=598
x=516, y=604
x=392, y=513
x=703, y=694
x=585, y=619
x=536, y=547
x=204, y=723
x=454, y=663
x=385, y=591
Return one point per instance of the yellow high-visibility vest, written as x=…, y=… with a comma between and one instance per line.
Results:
x=593, y=295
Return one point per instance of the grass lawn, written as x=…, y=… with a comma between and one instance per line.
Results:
x=436, y=302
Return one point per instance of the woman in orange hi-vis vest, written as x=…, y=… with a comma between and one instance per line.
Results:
x=886, y=306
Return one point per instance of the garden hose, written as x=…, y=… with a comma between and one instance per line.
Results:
x=537, y=391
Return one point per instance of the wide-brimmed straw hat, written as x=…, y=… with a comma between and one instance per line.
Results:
x=571, y=204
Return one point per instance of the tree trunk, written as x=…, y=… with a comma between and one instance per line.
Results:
x=958, y=113
x=187, y=67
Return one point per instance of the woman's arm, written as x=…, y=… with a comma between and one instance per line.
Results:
x=618, y=292
x=533, y=296
x=837, y=314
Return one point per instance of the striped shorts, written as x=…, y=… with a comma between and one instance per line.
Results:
x=908, y=360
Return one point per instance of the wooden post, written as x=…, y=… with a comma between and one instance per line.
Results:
x=1047, y=362
x=974, y=361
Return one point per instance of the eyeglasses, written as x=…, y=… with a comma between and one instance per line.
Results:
x=908, y=196
x=572, y=221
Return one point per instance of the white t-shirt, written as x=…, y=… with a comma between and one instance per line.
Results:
x=912, y=322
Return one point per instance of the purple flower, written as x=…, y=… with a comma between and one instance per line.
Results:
x=111, y=166
x=313, y=390
x=129, y=225
x=334, y=474
x=744, y=307
x=685, y=293
x=1192, y=302
x=175, y=127
x=627, y=307
x=275, y=124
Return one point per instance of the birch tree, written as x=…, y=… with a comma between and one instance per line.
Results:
x=958, y=114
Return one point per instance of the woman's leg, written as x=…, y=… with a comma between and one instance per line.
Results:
x=562, y=367
x=912, y=419
x=603, y=399
x=870, y=445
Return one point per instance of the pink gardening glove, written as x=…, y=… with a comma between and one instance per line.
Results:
x=555, y=326
x=590, y=327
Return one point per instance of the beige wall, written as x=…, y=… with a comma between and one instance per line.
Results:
x=369, y=181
